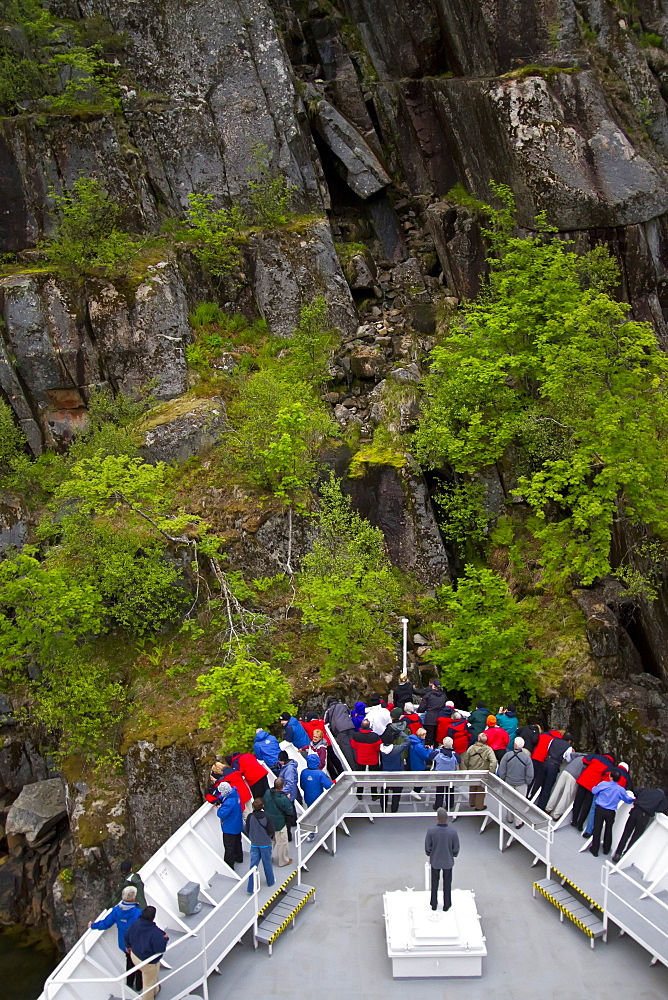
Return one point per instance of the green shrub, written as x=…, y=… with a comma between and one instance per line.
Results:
x=87, y=238
x=242, y=695
x=269, y=196
x=215, y=234
x=483, y=647
x=463, y=518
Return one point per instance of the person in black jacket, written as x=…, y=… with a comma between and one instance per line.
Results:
x=404, y=691
x=530, y=734
x=649, y=801
x=441, y=846
x=555, y=758
x=260, y=831
x=432, y=705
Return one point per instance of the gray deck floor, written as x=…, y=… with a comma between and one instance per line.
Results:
x=338, y=949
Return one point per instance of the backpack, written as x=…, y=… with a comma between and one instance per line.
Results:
x=446, y=761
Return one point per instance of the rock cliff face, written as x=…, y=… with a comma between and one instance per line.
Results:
x=373, y=112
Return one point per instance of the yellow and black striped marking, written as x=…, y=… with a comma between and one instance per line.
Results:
x=289, y=919
x=272, y=899
x=564, y=878
x=563, y=909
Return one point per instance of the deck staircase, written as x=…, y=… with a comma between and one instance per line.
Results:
x=279, y=912
x=573, y=903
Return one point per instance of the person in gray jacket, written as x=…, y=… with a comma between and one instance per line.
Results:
x=563, y=793
x=441, y=846
x=339, y=720
x=516, y=769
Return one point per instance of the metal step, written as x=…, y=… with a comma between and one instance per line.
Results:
x=283, y=914
x=571, y=907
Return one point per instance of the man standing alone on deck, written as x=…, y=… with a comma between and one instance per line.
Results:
x=441, y=846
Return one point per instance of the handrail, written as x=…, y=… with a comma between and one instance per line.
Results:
x=617, y=917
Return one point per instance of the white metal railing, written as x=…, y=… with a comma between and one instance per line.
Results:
x=631, y=914
x=211, y=944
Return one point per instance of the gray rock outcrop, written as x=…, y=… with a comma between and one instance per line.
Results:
x=37, y=810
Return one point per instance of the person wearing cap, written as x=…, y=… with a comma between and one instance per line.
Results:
x=516, y=769
x=122, y=915
x=441, y=845
x=294, y=732
x=144, y=940
x=432, y=704
x=497, y=737
x=477, y=720
x=230, y=814
x=128, y=877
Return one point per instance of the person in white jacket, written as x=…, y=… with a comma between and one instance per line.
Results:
x=378, y=717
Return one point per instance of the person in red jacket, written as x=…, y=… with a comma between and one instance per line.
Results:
x=366, y=747
x=497, y=737
x=538, y=757
x=459, y=733
x=596, y=766
x=254, y=773
x=312, y=723
x=221, y=772
x=411, y=718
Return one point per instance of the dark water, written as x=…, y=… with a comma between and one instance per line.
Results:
x=22, y=970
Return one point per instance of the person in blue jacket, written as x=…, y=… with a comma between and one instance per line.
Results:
x=230, y=814
x=294, y=732
x=391, y=759
x=358, y=714
x=289, y=773
x=418, y=755
x=122, y=915
x=312, y=780
x=266, y=747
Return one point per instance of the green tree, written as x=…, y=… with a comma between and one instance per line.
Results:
x=548, y=362
x=347, y=588
x=311, y=345
x=483, y=648
x=243, y=694
x=215, y=234
x=271, y=194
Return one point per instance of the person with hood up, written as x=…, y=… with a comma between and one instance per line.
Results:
x=294, y=732
x=230, y=814
x=516, y=769
x=312, y=780
x=458, y=732
x=260, y=832
x=557, y=753
x=497, y=737
x=411, y=718
x=405, y=692
x=122, y=915
x=418, y=756
x=279, y=809
x=340, y=722
x=608, y=796
x=378, y=717
x=649, y=802
x=432, y=704
x=596, y=766
x=478, y=720
x=563, y=792
x=445, y=760
x=254, y=774
x=478, y=757
x=444, y=722
x=530, y=733
x=320, y=746
x=266, y=747
x=145, y=940
x=507, y=719
x=358, y=714
x=441, y=846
